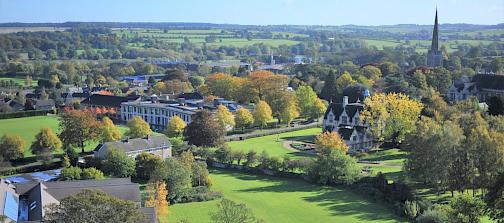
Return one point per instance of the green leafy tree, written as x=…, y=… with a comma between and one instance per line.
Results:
x=118, y=164
x=78, y=127
x=330, y=90
x=466, y=209
x=109, y=131
x=495, y=199
x=146, y=163
x=334, y=167
x=344, y=80
x=11, y=147
x=138, y=128
x=71, y=173
x=204, y=130
x=200, y=174
x=175, y=127
x=90, y=206
x=230, y=212
x=176, y=176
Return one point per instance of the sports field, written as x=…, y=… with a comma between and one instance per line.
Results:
x=282, y=200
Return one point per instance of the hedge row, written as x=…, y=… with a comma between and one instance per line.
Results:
x=27, y=114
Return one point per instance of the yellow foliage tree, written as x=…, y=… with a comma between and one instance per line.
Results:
x=262, y=113
x=243, y=118
x=110, y=132
x=330, y=140
x=344, y=81
x=161, y=199
x=175, y=127
x=225, y=117
x=138, y=128
x=392, y=115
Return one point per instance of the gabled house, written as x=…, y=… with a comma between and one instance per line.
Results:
x=27, y=202
x=45, y=104
x=158, y=145
x=482, y=86
x=344, y=118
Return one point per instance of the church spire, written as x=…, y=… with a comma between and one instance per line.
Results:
x=435, y=35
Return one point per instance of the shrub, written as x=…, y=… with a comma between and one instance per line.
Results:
x=92, y=174
x=433, y=215
x=71, y=173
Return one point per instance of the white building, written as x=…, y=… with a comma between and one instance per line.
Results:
x=345, y=119
x=158, y=115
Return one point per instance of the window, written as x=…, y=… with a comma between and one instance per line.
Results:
x=344, y=119
x=354, y=138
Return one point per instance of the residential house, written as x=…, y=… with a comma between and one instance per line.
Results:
x=27, y=202
x=482, y=86
x=345, y=119
x=45, y=104
x=158, y=145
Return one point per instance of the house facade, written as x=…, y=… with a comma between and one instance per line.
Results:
x=27, y=202
x=344, y=118
x=481, y=86
x=158, y=145
x=109, y=105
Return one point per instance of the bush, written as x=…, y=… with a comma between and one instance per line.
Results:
x=71, y=173
x=433, y=215
x=26, y=114
x=196, y=194
x=118, y=164
x=92, y=174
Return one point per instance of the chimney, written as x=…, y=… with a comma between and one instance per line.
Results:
x=345, y=101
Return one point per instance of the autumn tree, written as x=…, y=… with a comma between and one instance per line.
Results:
x=90, y=206
x=11, y=147
x=138, y=128
x=391, y=116
x=109, y=132
x=157, y=197
x=283, y=106
x=46, y=142
x=225, y=118
x=78, y=127
x=261, y=83
x=223, y=85
x=289, y=113
x=330, y=140
x=243, y=118
x=175, y=127
x=262, y=114
x=204, y=130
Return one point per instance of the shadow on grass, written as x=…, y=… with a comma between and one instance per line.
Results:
x=337, y=200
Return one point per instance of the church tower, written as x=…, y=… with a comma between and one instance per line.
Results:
x=434, y=55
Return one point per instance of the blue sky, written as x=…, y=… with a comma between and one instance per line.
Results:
x=260, y=12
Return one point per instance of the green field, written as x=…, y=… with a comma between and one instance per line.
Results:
x=223, y=38
x=273, y=144
x=424, y=45
x=20, y=81
x=28, y=127
x=285, y=200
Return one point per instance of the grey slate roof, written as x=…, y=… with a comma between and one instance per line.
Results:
x=156, y=141
x=121, y=188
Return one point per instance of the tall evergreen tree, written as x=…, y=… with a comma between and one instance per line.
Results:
x=329, y=91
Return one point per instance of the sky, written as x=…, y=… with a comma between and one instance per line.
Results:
x=256, y=12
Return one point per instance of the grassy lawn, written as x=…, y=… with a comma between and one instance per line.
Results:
x=20, y=81
x=273, y=144
x=285, y=200
x=28, y=127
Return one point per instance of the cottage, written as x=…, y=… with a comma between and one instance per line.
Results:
x=45, y=104
x=482, y=86
x=158, y=145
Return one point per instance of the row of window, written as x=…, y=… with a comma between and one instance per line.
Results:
x=344, y=119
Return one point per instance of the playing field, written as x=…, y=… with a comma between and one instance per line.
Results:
x=28, y=127
x=285, y=200
x=20, y=81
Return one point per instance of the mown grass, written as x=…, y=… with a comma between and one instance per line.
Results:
x=282, y=200
x=28, y=127
x=20, y=81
